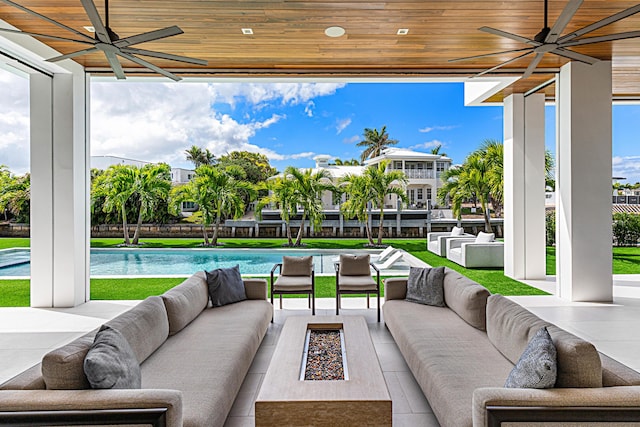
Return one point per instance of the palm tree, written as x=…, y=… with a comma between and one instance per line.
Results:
x=153, y=183
x=282, y=195
x=116, y=185
x=478, y=170
x=356, y=205
x=383, y=183
x=375, y=142
x=198, y=156
x=436, y=150
x=218, y=193
x=308, y=188
x=493, y=152
x=455, y=189
x=15, y=195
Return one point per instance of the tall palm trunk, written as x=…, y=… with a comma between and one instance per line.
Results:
x=214, y=239
x=125, y=229
x=486, y=214
x=299, y=236
x=367, y=228
x=206, y=235
x=136, y=235
x=289, y=238
x=381, y=225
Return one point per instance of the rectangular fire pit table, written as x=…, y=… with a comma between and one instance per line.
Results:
x=362, y=399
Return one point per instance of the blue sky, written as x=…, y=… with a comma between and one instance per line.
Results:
x=288, y=122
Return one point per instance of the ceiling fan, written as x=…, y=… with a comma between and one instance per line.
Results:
x=548, y=40
x=108, y=42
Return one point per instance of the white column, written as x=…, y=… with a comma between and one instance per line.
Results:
x=59, y=179
x=583, y=186
x=524, y=227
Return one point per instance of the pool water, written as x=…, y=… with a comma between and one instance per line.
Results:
x=182, y=262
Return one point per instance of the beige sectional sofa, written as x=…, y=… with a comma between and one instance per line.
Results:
x=461, y=356
x=193, y=362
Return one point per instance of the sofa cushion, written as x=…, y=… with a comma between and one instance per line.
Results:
x=426, y=286
x=62, y=368
x=225, y=286
x=483, y=237
x=297, y=266
x=355, y=265
x=510, y=327
x=457, y=231
x=110, y=362
x=185, y=302
x=466, y=298
x=145, y=326
x=537, y=367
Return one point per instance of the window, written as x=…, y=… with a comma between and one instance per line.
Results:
x=442, y=166
x=420, y=194
x=428, y=193
x=188, y=206
x=397, y=165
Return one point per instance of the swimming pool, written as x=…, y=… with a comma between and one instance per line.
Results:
x=178, y=262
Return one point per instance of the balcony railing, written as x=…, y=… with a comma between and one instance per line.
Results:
x=419, y=173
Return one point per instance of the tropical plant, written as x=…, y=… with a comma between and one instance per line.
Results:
x=198, y=156
x=436, y=150
x=152, y=186
x=374, y=142
x=383, y=182
x=218, y=193
x=15, y=195
x=492, y=152
x=308, y=187
x=282, y=195
x=255, y=165
x=357, y=204
x=626, y=229
x=550, y=227
x=549, y=177
x=455, y=189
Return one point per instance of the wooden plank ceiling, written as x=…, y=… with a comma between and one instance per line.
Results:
x=288, y=36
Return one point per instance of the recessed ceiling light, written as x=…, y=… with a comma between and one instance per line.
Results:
x=247, y=31
x=89, y=28
x=403, y=31
x=334, y=31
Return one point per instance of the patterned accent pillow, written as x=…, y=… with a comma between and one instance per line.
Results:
x=110, y=362
x=225, y=286
x=426, y=286
x=537, y=367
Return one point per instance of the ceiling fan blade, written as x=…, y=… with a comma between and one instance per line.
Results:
x=72, y=54
x=59, y=24
x=149, y=36
x=8, y=30
x=511, y=36
x=575, y=55
x=165, y=56
x=115, y=65
x=602, y=23
x=599, y=39
x=502, y=64
x=532, y=66
x=96, y=21
x=570, y=9
x=489, y=54
x=150, y=66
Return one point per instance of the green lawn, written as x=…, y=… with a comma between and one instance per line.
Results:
x=15, y=293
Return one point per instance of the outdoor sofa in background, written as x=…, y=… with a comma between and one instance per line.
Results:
x=461, y=355
x=437, y=240
x=481, y=251
x=193, y=361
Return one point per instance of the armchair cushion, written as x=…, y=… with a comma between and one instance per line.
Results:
x=426, y=286
x=457, y=231
x=357, y=283
x=225, y=286
x=297, y=266
x=292, y=283
x=537, y=367
x=354, y=265
x=111, y=363
x=483, y=237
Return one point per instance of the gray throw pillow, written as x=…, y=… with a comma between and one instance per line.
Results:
x=225, y=286
x=426, y=286
x=537, y=367
x=111, y=363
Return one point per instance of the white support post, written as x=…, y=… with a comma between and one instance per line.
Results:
x=524, y=227
x=583, y=186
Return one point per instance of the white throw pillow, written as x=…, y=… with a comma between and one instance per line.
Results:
x=457, y=231
x=483, y=237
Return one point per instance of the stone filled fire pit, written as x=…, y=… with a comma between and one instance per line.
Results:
x=324, y=356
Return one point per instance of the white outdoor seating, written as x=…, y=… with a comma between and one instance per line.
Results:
x=437, y=241
x=384, y=255
x=478, y=252
x=395, y=257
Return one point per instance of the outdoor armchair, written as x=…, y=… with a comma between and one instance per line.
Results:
x=353, y=276
x=478, y=252
x=296, y=276
x=437, y=241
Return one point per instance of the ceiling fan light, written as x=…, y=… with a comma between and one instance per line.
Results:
x=334, y=31
x=90, y=28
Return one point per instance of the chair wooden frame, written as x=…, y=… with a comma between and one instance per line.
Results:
x=356, y=292
x=311, y=294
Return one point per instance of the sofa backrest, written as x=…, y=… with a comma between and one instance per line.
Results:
x=145, y=326
x=63, y=368
x=466, y=298
x=186, y=301
x=510, y=327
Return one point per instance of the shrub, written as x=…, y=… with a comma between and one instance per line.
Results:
x=550, y=227
x=626, y=229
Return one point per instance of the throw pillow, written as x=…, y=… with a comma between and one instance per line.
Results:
x=355, y=265
x=426, y=286
x=457, y=231
x=225, y=286
x=111, y=363
x=483, y=237
x=537, y=367
x=297, y=265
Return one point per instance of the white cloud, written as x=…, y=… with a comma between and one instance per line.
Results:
x=428, y=145
x=14, y=122
x=627, y=167
x=432, y=128
x=308, y=109
x=352, y=140
x=259, y=93
x=342, y=125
